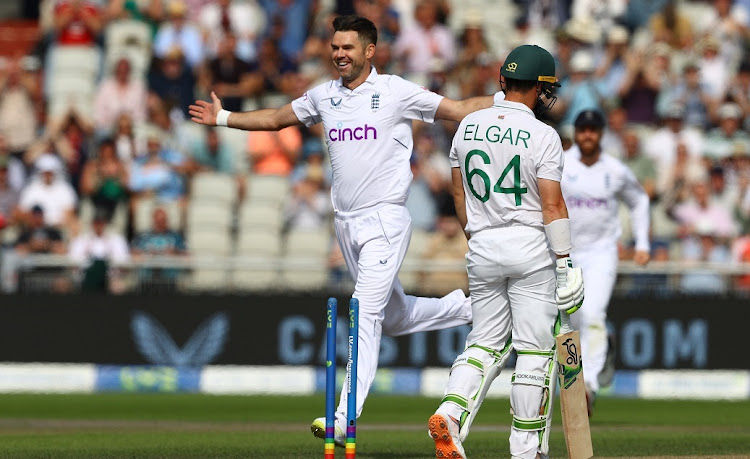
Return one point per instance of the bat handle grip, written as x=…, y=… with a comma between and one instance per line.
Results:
x=565, y=326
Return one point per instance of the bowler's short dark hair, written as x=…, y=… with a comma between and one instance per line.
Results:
x=366, y=30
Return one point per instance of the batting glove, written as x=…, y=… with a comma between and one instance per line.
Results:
x=569, y=292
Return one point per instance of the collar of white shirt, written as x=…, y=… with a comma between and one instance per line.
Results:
x=514, y=106
x=370, y=79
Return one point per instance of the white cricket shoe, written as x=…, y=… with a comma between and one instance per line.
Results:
x=443, y=429
x=318, y=428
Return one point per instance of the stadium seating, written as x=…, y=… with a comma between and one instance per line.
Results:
x=309, y=248
x=209, y=216
x=270, y=189
x=213, y=187
x=410, y=279
x=260, y=216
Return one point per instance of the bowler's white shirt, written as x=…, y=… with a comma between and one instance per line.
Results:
x=368, y=131
x=502, y=132
x=592, y=193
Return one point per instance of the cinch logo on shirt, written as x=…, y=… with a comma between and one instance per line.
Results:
x=591, y=203
x=342, y=134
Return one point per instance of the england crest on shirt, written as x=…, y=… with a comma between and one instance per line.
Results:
x=375, y=101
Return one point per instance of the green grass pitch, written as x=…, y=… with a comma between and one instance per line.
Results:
x=201, y=426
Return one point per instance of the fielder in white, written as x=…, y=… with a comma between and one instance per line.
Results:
x=367, y=119
x=507, y=167
x=593, y=184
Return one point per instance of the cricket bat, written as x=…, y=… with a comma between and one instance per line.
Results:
x=575, y=417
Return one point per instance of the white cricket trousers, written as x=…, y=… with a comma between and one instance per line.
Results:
x=599, y=267
x=374, y=243
x=512, y=284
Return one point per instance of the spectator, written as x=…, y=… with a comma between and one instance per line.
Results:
x=309, y=207
x=50, y=191
x=662, y=144
x=277, y=70
x=612, y=137
x=288, y=24
x=161, y=240
x=154, y=174
x=714, y=68
x=173, y=81
x=244, y=20
x=38, y=237
x=722, y=193
x=426, y=40
x=672, y=27
x=704, y=247
x=643, y=167
x=643, y=81
x=230, y=77
x=15, y=170
x=274, y=152
x=77, y=22
x=98, y=252
x=213, y=155
x=116, y=95
x=613, y=69
x=124, y=139
x=699, y=209
x=105, y=179
x=721, y=141
x=739, y=90
x=690, y=93
x=448, y=244
x=176, y=33
x=150, y=12
x=19, y=92
x=9, y=213
x=579, y=92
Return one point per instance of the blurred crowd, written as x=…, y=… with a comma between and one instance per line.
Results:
x=94, y=122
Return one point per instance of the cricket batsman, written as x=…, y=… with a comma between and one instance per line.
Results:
x=506, y=168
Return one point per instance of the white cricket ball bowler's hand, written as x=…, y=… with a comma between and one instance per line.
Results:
x=569, y=291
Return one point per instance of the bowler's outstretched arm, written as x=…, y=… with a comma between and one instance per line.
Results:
x=268, y=119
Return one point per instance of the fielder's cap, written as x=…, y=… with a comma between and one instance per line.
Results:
x=592, y=118
x=530, y=62
x=729, y=110
x=48, y=163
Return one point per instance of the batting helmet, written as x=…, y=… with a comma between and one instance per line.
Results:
x=530, y=62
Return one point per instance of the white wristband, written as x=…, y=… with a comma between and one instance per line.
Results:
x=558, y=235
x=222, y=117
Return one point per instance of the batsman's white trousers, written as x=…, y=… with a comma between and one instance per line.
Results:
x=512, y=284
x=374, y=243
x=599, y=267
